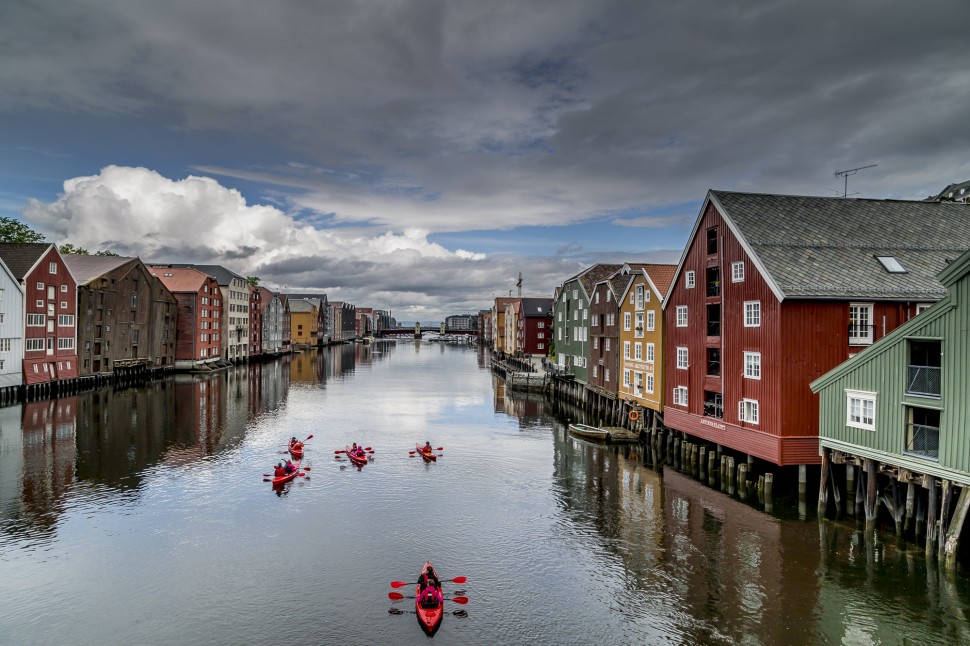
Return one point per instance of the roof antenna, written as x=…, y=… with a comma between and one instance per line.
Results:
x=846, y=173
x=519, y=284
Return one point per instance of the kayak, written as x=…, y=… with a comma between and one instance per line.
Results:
x=357, y=459
x=278, y=480
x=297, y=452
x=427, y=454
x=429, y=618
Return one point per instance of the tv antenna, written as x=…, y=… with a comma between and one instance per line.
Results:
x=851, y=171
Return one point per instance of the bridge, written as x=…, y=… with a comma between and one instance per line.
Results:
x=408, y=332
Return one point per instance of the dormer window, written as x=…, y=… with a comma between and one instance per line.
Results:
x=890, y=264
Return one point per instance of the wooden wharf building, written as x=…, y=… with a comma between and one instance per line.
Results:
x=895, y=422
x=782, y=289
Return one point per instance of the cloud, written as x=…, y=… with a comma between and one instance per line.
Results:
x=138, y=212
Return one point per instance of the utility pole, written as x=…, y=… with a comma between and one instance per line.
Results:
x=851, y=171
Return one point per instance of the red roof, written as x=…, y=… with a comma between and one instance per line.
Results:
x=180, y=279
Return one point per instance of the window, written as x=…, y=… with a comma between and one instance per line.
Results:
x=65, y=320
x=924, y=372
x=752, y=365
x=638, y=351
x=627, y=319
x=35, y=344
x=689, y=280
x=737, y=272
x=204, y=338
x=52, y=268
x=40, y=286
x=609, y=296
x=748, y=411
x=713, y=405
x=606, y=374
x=891, y=265
x=597, y=298
x=681, y=316
x=63, y=305
x=639, y=297
x=923, y=432
x=606, y=344
x=682, y=358
x=714, y=362
x=5, y=345
x=860, y=323
x=39, y=303
x=540, y=325
x=595, y=370
x=595, y=320
x=650, y=382
x=752, y=314
x=650, y=353
x=596, y=342
x=626, y=378
x=922, y=307
x=64, y=289
x=860, y=409
x=711, y=241
x=626, y=349
x=65, y=343
x=35, y=320
x=680, y=395
x=651, y=320
x=638, y=326
x=575, y=294
x=134, y=300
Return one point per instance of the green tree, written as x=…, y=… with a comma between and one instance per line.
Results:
x=67, y=247
x=253, y=280
x=16, y=231
x=105, y=252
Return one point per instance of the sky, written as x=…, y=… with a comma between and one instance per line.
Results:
x=418, y=156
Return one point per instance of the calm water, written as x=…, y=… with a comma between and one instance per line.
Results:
x=141, y=517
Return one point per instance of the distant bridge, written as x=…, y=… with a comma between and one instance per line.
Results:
x=409, y=332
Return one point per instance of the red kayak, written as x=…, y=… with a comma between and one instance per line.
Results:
x=360, y=459
x=429, y=618
x=426, y=453
x=296, y=450
x=278, y=480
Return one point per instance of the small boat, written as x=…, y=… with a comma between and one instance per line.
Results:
x=429, y=618
x=281, y=480
x=296, y=451
x=590, y=432
x=360, y=460
x=427, y=454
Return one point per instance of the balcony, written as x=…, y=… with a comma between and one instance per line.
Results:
x=923, y=441
x=924, y=381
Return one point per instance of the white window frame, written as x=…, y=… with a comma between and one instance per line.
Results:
x=682, y=362
x=626, y=349
x=651, y=354
x=638, y=326
x=627, y=321
x=680, y=395
x=858, y=418
x=752, y=365
x=737, y=272
x=752, y=313
x=649, y=387
x=626, y=379
x=856, y=338
x=748, y=411
x=638, y=351
x=651, y=321
x=689, y=280
x=681, y=316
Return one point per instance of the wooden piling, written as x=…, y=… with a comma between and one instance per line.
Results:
x=850, y=493
x=946, y=491
x=931, y=517
x=743, y=480
x=870, y=494
x=910, y=508
x=711, y=472
x=823, y=488
x=731, y=476
x=769, y=485
x=952, y=543
x=702, y=462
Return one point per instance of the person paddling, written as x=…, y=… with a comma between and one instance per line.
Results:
x=280, y=471
x=289, y=468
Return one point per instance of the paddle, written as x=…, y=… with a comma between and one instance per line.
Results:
x=366, y=448
x=397, y=596
x=401, y=584
x=440, y=448
x=270, y=478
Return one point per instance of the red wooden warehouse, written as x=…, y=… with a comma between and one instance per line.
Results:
x=197, y=340
x=773, y=291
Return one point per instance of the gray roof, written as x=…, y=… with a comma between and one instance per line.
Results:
x=595, y=274
x=87, y=268
x=302, y=305
x=536, y=307
x=826, y=247
x=222, y=275
x=20, y=257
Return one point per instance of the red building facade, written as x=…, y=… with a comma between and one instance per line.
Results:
x=755, y=314
x=200, y=305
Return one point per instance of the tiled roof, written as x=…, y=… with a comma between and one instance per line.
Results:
x=662, y=276
x=87, y=268
x=595, y=274
x=20, y=257
x=826, y=247
x=222, y=275
x=180, y=279
x=536, y=307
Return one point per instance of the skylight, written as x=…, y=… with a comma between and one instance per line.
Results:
x=890, y=264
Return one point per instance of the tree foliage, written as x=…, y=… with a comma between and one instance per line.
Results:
x=253, y=280
x=67, y=247
x=105, y=252
x=16, y=231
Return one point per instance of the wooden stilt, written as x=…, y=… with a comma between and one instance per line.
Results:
x=946, y=491
x=910, y=508
x=850, y=488
x=743, y=480
x=870, y=494
x=931, y=517
x=952, y=543
x=823, y=489
x=769, y=485
x=731, y=476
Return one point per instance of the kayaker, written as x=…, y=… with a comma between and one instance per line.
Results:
x=295, y=445
x=427, y=447
x=280, y=471
x=431, y=597
x=289, y=468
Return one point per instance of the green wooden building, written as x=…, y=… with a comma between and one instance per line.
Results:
x=571, y=309
x=900, y=410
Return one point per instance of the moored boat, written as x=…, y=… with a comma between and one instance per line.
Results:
x=429, y=618
x=426, y=453
x=590, y=432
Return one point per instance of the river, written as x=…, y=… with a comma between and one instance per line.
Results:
x=141, y=516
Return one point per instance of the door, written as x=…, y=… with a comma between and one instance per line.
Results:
x=50, y=345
